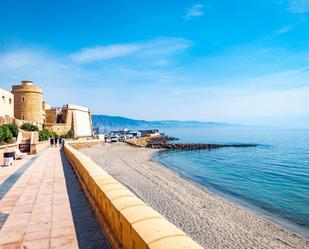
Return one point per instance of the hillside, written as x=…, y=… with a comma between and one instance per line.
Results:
x=116, y=122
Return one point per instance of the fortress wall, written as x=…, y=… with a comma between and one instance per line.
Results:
x=51, y=116
x=68, y=116
x=128, y=222
x=60, y=129
x=74, y=117
x=82, y=126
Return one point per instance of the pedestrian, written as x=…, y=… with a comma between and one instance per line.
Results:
x=52, y=142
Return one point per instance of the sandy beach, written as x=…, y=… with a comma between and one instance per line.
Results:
x=209, y=219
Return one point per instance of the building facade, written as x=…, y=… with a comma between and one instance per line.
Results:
x=25, y=104
x=28, y=103
x=69, y=117
x=6, y=104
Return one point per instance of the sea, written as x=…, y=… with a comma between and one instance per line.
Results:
x=271, y=179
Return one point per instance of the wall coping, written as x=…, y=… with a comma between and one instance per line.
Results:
x=74, y=141
x=127, y=221
x=8, y=145
x=56, y=124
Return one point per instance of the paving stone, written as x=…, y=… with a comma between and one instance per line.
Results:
x=87, y=228
x=10, y=181
x=42, y=206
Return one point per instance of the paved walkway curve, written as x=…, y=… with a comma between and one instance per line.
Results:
x=43, y=206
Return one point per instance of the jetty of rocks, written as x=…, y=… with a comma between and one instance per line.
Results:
x=164, y=142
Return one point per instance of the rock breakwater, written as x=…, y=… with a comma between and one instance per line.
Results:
x=163, y=142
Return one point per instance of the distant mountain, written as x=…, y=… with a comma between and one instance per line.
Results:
x=106, y=122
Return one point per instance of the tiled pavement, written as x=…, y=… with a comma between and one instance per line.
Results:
x=45, y=208
x=5, y=172
x=11, y=176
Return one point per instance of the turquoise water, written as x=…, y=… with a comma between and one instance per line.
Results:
x=272, y=178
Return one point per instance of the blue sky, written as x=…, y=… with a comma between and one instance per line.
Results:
x=229, y=61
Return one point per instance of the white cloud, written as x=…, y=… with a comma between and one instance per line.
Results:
x=162, y=46
x=167, y=91
x=195, y=11
x=290, y=27
x=17, y=59
x=285, y=29
x=298, y=6
x=165, y=46
x=104, y=52
x=57, y=71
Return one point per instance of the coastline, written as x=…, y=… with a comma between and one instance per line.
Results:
x=260, y=212
x=211, y=220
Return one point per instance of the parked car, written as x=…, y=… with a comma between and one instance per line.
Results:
x=114, y=139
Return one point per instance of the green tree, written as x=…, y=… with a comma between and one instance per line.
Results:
x=44, y=135
x=5, y=135
x=55, y=135
x=13, y=128
x=29, y=127
x=69, y=134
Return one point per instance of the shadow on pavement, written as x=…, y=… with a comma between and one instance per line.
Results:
x=88, y=231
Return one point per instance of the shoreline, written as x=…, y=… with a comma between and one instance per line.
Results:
x=260, y=212
x=211, y=220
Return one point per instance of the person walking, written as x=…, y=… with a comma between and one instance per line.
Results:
x=62, y=141
x=51, y=142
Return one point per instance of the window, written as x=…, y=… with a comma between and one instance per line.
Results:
x=23, y=98
x=23, y=117
x=10, y=101
x=3, y=99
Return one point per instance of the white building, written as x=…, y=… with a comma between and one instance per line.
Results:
x=6, y=104
x=82, y=124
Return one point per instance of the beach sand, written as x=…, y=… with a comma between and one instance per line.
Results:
x=209, y=219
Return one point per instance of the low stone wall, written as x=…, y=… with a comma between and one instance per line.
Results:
x=32, y=136
x=61, y=129
x=20, y=122
x=5, y=120
x=78, y=144
x=128, y=222
x=6, y=148
x=36, y=148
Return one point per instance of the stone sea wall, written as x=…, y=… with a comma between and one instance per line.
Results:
x=127, y=221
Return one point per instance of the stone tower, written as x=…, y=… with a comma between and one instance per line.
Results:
x=28, y=102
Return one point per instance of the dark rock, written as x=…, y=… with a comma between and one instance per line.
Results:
x=162, y=142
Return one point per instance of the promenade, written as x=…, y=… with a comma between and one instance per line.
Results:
x=42, y=206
